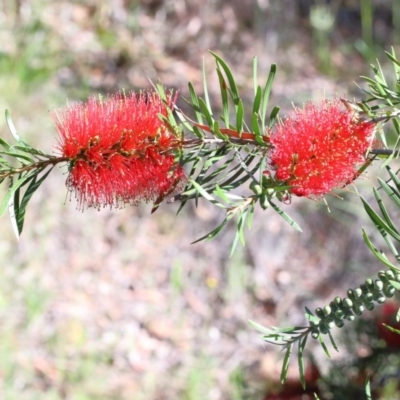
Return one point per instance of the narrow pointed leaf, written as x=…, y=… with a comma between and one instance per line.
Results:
x=11, y=191
x=321, y=341
x=12, y=209
x=390, y=191
x=195, y=103
x=224, y=97
x=231, y=80
x=259, y=327
x=12, y=129
x=302, y=345
x=391, y=329
x=205, y=88
x=285, y=216
x=5, y=144
x=377, y=220
x=239, y=117
x=332, y=341
x=213, y=233
x=368, y=388
x=33, y=186
x=381, y=257
x=267, y=92
x=255, y=83
x=257, y=100
x=384, y=212
x=285, y=365
x=273, y=116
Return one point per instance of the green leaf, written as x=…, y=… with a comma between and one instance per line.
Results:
x=391, y=329
x=310, y=316
x=395, y=284
x=33, y=186
x=256, y=129
x=392, y=57
x=377, y=220
x=239, y=231
x=333, y=341
x=259, y=327
x=11, y=191
x=273, y=116
x=255, y=83
x=285, y=365
x=368, y=388
x=203, y=193
x=12, y=205
x=239, y=117
x=224, y=97
x=394, y=178
x=266, y=93
x=13, y=130
x=251, y=216
x=321, y=341
x=21, y=157
x=285, y=216
x=231, y=80
x=206, y=96
x=383, y=209
x=257, y=100
x=221, y=194
x=4, y=144
x=198, y=132
x=217, y=132
x=379, y=255
x=390, y=191
x=302, y=345
x=213, y=233
x=195, y=103
x=206, y=112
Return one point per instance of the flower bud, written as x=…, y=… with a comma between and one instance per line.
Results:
x=339, y=314
x=255, y=187
x=327, y=310
x=339, y=322
x=369, y=306
x=264, y=201
x=389, y=274
x=347, y=303
x=378, y=284
x=315, y=333
x=389, y=290
x=358, y=308
x=350, y=316
x=369, y=283
x=380, y=298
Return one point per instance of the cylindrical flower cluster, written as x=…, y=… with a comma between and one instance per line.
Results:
x=357, y=301
x=119, y=149
x=319, y=148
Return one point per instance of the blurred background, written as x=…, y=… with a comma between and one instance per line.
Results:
x=118, y=304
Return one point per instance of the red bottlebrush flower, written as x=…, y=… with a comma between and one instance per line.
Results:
x=318, y=148
x=119, y=150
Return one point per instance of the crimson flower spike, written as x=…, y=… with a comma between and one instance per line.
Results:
x=119, y=150
x=318, y=148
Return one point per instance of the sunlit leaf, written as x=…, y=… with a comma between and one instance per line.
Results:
x=12, y=129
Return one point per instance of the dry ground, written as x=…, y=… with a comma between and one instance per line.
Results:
x=119, y=304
